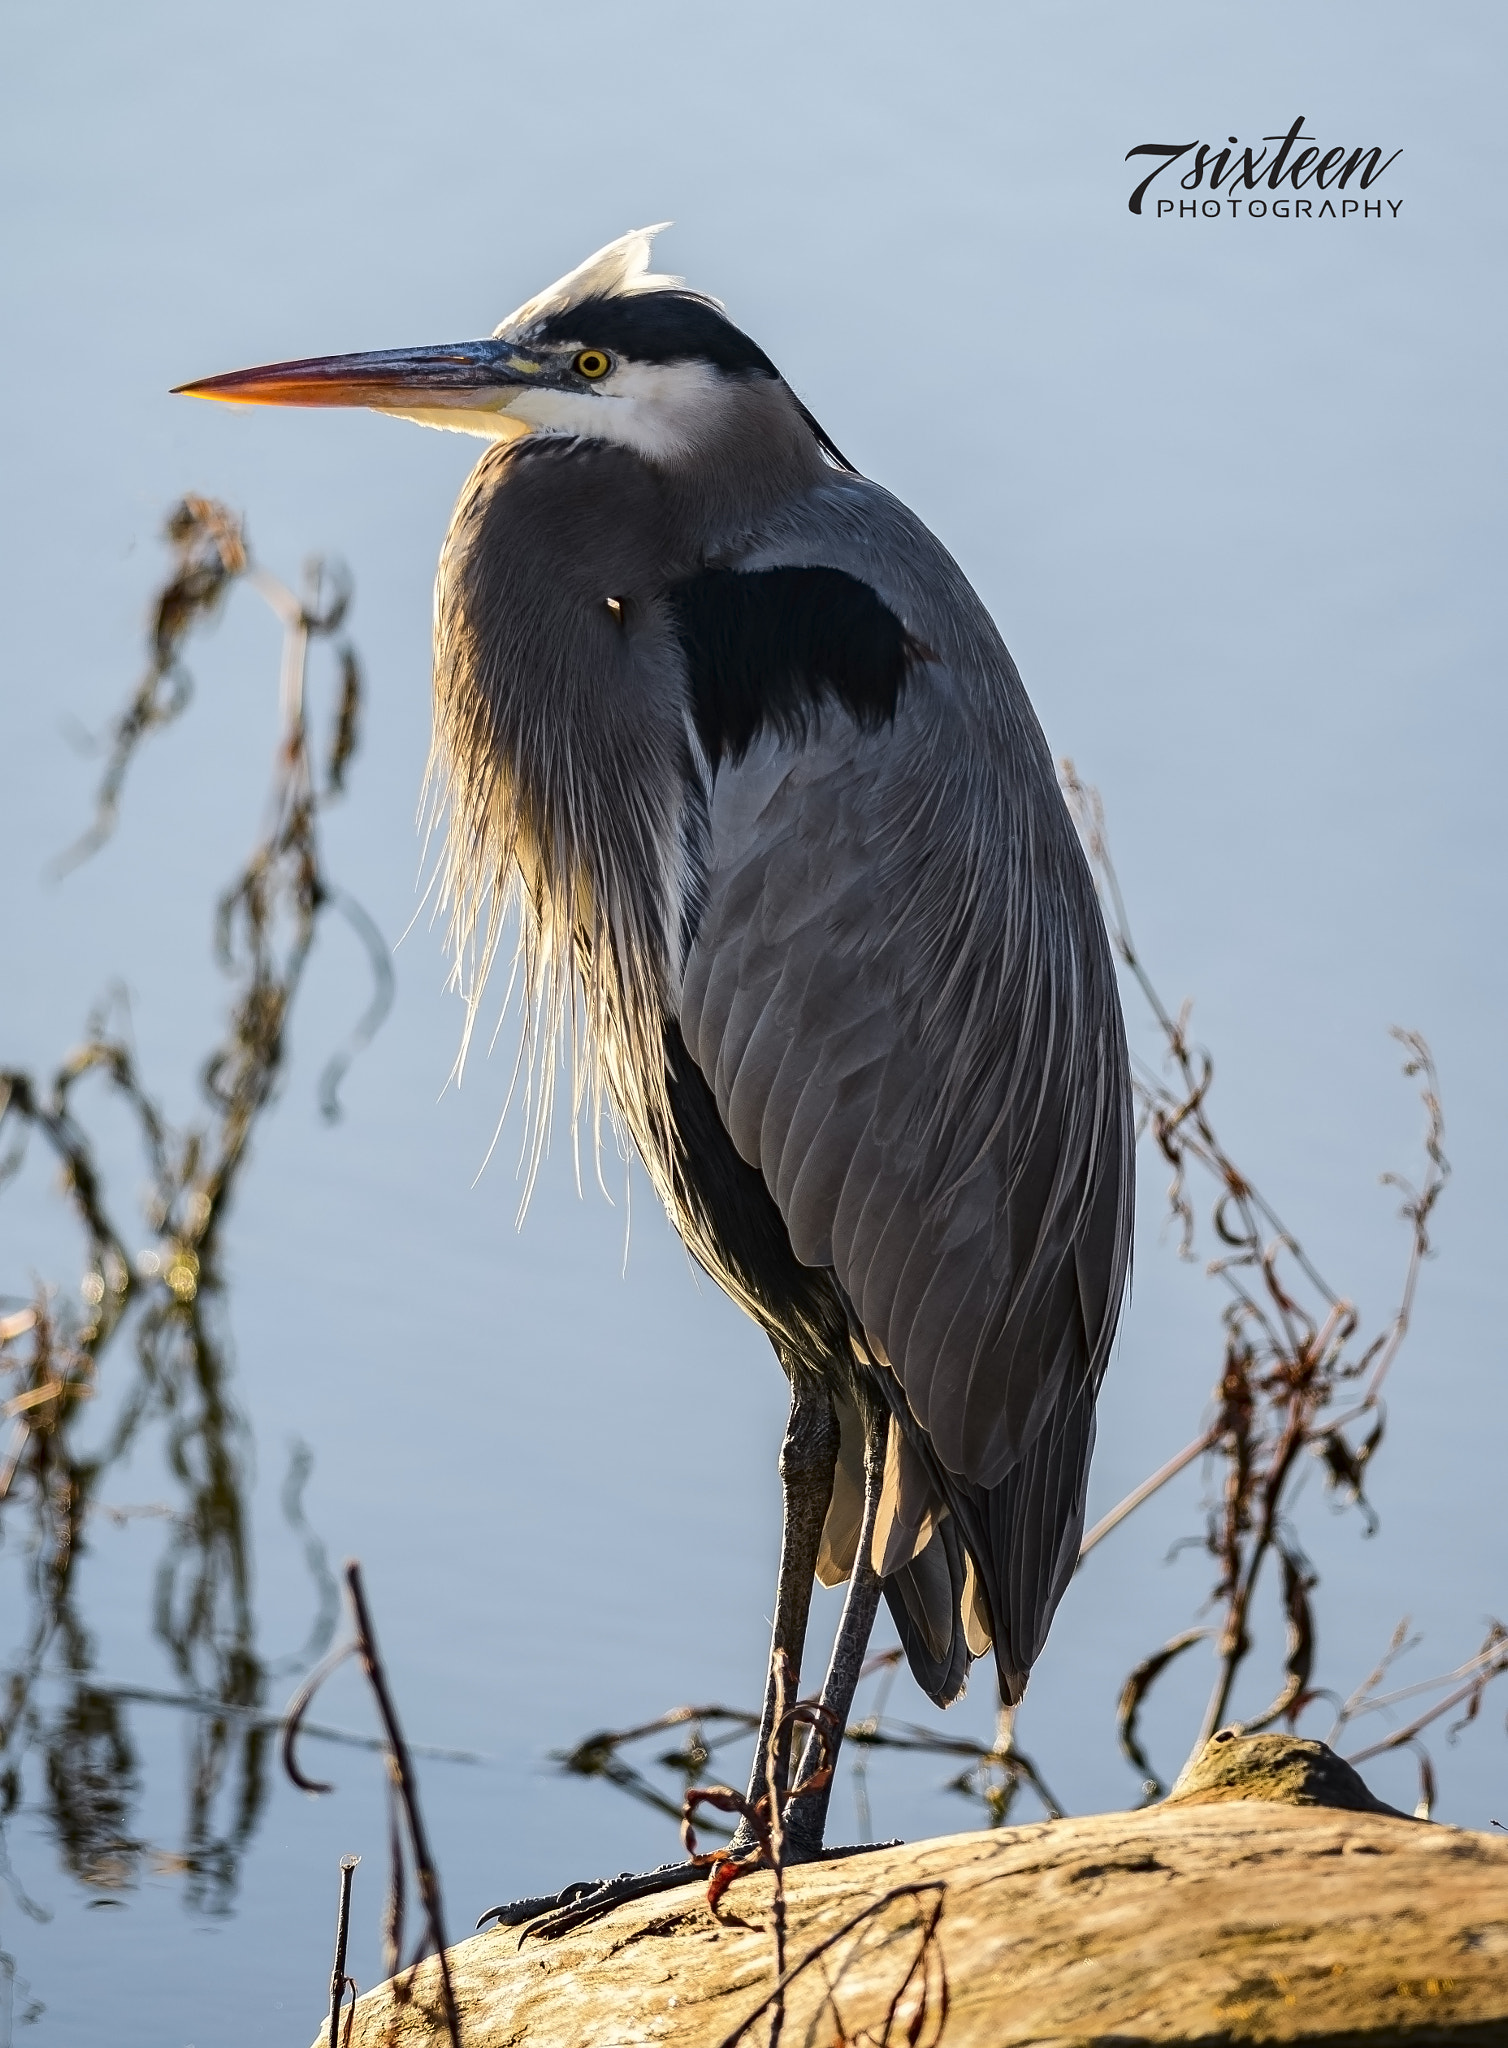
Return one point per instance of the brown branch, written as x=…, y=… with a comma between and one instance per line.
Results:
x=1133, y=1697
x=211, y=550
x=1489, y=1664
x=1235, y=1639
x=1288, y=1334
x=298, y=1706
x=338, y=1978
x=1488, y=1661
x=401, y=1767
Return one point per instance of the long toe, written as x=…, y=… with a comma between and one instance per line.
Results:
x=577, y=1905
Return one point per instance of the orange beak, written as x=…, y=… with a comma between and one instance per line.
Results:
x=467, y=376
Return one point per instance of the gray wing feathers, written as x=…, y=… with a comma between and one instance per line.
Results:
x=1035, y=1522
x=901, y=994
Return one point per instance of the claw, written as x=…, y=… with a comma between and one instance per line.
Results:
x=517, y=1911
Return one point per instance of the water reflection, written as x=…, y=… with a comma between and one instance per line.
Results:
x=139, y=1350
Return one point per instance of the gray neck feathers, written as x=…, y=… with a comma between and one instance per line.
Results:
x=560, y=761
x=563, y=754
x=759, y=454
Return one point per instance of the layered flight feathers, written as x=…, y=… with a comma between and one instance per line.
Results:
x=901, y=995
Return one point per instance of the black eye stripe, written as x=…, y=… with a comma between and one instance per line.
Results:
x=660, y=327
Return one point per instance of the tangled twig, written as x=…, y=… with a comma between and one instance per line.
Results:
x=169, y=1294
x=1294, y=1381
x=925, y=1980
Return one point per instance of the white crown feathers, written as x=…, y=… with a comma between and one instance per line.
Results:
x=614, y=271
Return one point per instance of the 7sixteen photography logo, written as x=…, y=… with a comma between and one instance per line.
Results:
x=1297, y=163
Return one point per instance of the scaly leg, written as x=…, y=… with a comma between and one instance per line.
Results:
x=808, y=1459
x=808, y=1814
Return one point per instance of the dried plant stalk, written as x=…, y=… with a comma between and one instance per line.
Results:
x=169, y=1296
x=1296, y=1377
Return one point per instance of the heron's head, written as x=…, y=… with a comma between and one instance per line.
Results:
x=612, y=352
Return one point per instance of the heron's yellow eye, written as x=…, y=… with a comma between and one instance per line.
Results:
x=592, y=363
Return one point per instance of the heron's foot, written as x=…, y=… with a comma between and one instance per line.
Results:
x=745, y=1847
x=556, y=1913
x=577, y=1905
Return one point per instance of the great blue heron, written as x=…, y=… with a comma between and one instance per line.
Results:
x=728, y=727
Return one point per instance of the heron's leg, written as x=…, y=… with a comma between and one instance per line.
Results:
x=808, y=1461
x=808, y=1815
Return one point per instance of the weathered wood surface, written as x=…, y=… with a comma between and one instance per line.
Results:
x=1214, y=1918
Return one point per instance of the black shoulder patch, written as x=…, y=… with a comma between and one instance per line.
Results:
x=771, y=647
x=660, y=327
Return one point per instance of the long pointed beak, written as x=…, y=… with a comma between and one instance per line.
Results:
x=466, y=376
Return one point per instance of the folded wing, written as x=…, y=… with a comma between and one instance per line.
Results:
x=901, y=996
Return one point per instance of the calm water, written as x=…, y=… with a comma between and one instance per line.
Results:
x=1234, y=494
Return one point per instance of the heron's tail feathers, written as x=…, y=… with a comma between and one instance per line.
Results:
x=925, y=1598
x=927, y=1580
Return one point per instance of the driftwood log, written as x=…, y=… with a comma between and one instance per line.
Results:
x=1271, y=1898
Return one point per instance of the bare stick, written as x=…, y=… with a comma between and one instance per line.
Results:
x=1491, y=1660
x=338, y=1978
x=1403, y=1736
x=1145, y=1491
x=403, y=1779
